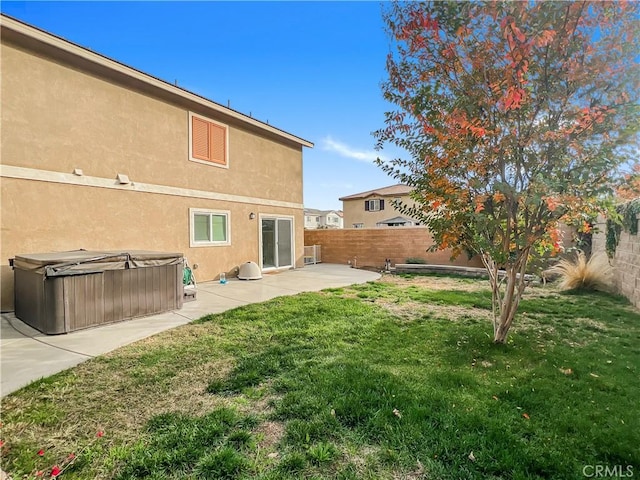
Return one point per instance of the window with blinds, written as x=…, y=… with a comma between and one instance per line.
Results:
x=373, y=205
x=208, y=141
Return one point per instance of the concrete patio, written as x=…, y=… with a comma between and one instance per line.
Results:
x=27, y=355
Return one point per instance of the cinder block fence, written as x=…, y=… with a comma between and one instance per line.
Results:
x=369, y=247
x=626, y=263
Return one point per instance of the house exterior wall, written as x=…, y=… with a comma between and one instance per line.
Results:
x=354, y=212
x=312, y=221
x=57, y=117
x=322, y=219
x=333, y=220
x=371, y=246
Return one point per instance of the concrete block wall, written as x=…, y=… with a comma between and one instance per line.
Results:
x=626, y=272
x=371, y=246
x=626, y=262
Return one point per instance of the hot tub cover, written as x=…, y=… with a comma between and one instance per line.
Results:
x=81, y=262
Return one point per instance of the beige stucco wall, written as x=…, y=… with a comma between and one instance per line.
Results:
x=354, y=211
x=56, y=117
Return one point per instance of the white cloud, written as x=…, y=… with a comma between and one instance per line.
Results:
x=344, y=150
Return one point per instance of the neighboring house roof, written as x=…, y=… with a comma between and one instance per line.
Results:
x=313, y=211
x=105, y=67
x=395, y=220
x=391, y=191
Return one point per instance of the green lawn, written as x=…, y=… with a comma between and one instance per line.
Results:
x=394, y=379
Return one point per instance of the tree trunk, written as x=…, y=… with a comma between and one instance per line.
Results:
x=505, y=304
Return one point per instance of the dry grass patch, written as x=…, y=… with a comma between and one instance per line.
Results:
x=361, y=457
x=434, y=282
x=592, y=324
x=417, y=473
x=116, y=393
x=108, y=400
x=406, y=311
x=411, y=311
x=269, y=434
x=262, y=406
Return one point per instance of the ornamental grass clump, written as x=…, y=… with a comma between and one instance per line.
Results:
x=582, y=274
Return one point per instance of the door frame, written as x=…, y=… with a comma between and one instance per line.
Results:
x=276, y=216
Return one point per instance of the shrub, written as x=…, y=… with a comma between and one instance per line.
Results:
x=416, y=260
x=583, y=274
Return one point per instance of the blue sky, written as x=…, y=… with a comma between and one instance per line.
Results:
x=311, y=68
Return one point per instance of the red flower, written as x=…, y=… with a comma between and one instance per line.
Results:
x=71, y=456
x=100, y=434
x=1, y=443
x=41, y=452
x=39, y=473
x=55, y=471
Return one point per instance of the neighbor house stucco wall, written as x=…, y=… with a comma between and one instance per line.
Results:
x=354, y=211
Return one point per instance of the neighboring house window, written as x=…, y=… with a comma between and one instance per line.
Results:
x=373, y=205
x=358, y=225
x=208, y=141
x=209, y=228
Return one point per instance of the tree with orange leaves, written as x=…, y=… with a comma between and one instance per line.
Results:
x=515, y=116
x=630, y=187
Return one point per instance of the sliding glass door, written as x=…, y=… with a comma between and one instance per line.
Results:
x=277, y=242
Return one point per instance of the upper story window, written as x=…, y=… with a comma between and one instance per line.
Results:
x=208, y=141
x=373, y=205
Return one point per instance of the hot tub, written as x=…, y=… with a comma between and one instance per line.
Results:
x=66, y=291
